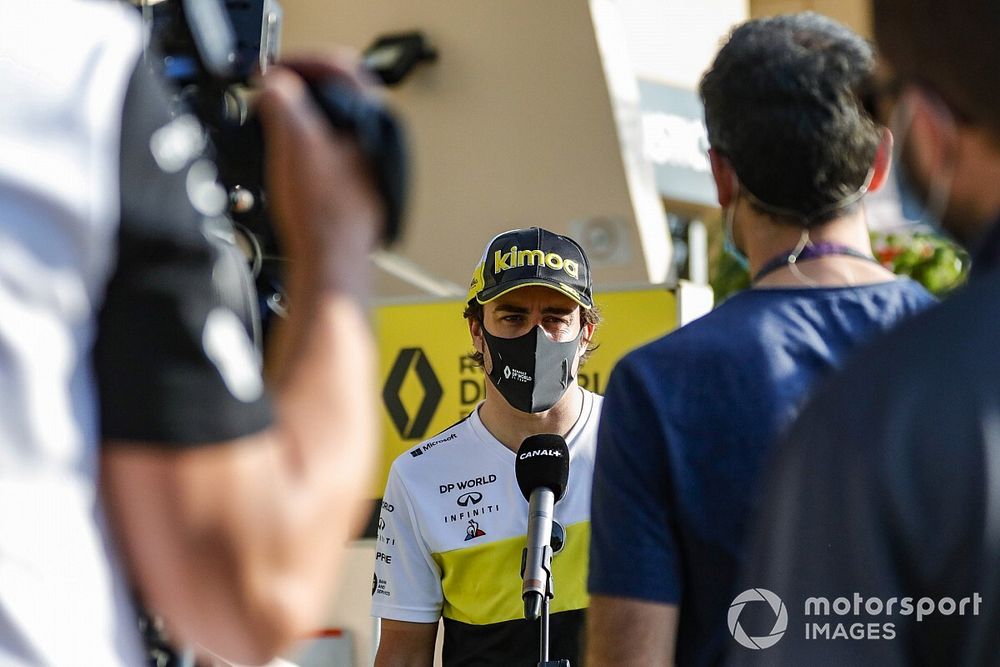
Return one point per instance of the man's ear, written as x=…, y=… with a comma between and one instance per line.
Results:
x=588, y=333
x=933, y=131
x=476, y=331
x=479, y=342
x=883, y=161
x=724, y=176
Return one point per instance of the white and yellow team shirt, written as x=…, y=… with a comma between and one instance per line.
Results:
x=451, y=533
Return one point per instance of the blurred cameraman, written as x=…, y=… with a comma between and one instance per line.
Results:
x=228, y=501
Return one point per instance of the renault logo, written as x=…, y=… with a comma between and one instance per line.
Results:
x=411, y=360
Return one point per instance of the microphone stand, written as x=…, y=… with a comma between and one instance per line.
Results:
x=537, y=606
x=544, y=620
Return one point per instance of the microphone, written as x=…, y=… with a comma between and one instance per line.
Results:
x=542, y=470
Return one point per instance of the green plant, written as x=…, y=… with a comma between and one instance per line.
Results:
x=934, y=261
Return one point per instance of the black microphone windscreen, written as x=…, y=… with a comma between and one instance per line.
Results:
x=542, y=461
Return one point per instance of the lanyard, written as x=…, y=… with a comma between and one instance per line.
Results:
x=811, y=251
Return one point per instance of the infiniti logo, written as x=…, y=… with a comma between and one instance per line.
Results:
x=470, y=498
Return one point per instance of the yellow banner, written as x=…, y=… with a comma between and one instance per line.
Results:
x=429, y=383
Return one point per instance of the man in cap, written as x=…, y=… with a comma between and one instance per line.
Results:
x=453, y=522
x=690, y=419
x=887, y=491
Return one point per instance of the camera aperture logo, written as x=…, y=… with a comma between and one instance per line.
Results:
x=780, y=618
x=856, y=617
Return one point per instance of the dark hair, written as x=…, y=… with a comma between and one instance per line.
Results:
x=474, y=310
x=781, y=105
x=950, y=47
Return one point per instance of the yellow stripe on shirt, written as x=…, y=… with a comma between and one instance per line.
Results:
x=482, y=583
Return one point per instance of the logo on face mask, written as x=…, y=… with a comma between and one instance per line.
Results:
x=515, y=258
x=513, y=373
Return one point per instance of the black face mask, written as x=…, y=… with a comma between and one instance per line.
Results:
x=531, y=371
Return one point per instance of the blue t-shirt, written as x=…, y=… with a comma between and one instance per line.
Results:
x=689, y=420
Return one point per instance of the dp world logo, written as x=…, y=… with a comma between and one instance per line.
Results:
x=780, y=618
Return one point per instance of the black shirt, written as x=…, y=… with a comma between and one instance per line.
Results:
x=171, y=366
x=888, y=487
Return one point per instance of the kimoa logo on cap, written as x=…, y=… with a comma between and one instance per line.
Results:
x=515, y=258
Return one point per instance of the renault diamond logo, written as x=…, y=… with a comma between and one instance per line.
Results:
x=470, y=498
x=411, y=360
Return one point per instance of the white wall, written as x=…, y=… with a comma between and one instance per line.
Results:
x=673, y=41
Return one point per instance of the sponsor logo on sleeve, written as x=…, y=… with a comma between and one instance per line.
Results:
x=380, y=586
x=381, y=535
x=433, y=443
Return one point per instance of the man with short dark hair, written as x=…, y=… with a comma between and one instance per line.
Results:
x=689, y=419
x=888, y=485
x=453, y=523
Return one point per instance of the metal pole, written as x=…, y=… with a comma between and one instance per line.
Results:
x=545, y=629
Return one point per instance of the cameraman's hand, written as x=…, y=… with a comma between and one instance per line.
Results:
x=323, y=198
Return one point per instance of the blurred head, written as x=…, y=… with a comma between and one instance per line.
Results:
x=782, y=111
x=938, y=86
x=951, y=48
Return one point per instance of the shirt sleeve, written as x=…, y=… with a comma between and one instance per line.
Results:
x=174, y=362
x=407, y=582
x=633, y=549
